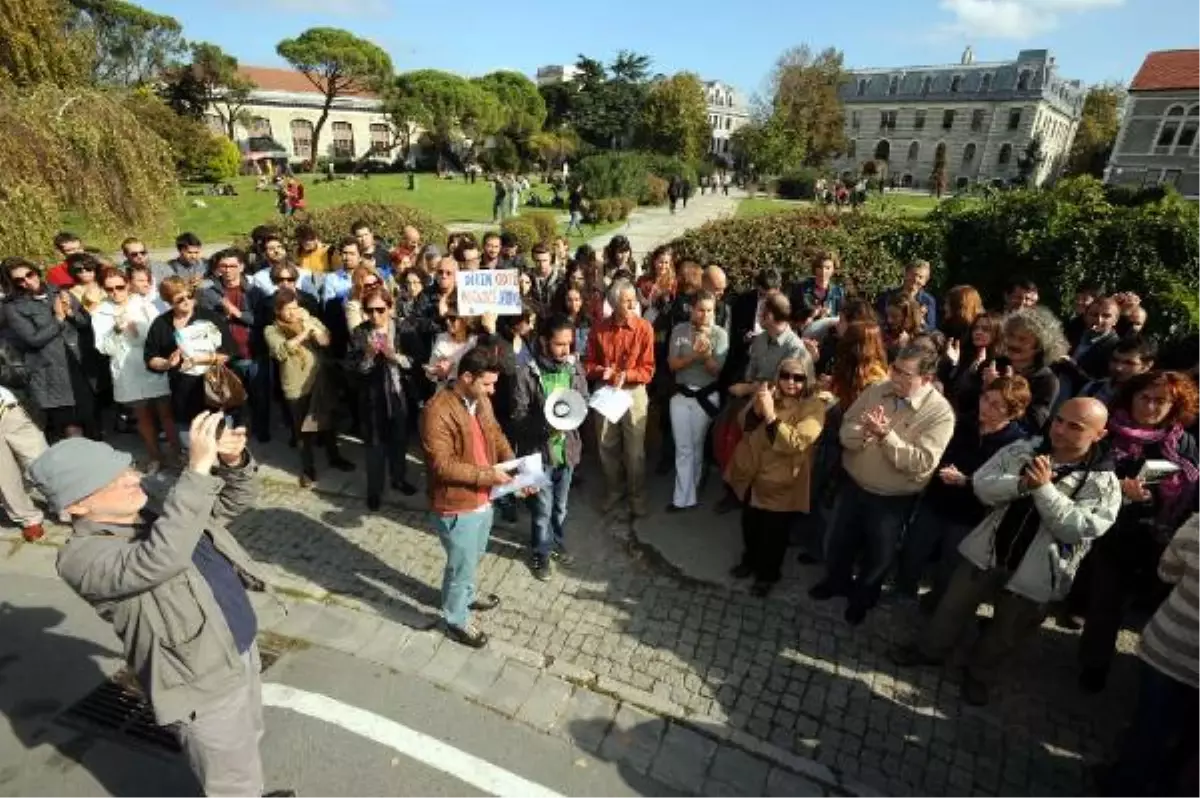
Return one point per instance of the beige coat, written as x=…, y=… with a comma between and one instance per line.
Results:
x=778, y=472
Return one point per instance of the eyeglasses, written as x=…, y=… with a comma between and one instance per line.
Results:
x=21, y=278
x=179, y=300
x=791, y=376
x=112, y=289
x=376, y=310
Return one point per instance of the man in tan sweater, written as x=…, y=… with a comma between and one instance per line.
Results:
x=892, y=437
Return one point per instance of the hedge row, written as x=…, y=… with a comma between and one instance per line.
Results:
x=1059, y=238
x=387, y=222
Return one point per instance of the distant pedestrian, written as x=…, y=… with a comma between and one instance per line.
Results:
x=575, y=207
x=498, y=199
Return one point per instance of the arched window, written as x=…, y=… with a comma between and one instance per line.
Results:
x=906, y=181
x=962, y=183
x=1187, y=134
x=985, y=85
x=955, y=83
x=1005, y=155
x=940, y=153
x=914, y=150
x=343, y=140
x=926, y=85
x=883, y=150
x=302, y=132
x=260, y=126
x=1023, y=80
x=1169, y=129
x=968, y=153
x=894, y=84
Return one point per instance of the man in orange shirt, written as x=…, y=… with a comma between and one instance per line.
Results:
x=620, y=353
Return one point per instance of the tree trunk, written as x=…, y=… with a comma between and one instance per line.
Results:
x=316, y=139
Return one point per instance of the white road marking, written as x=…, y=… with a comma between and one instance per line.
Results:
x=414, y=744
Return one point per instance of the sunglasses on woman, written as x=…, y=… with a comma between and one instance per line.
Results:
x=791, y=376
x=112, y=289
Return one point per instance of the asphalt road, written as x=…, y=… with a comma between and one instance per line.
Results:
x=335, y=725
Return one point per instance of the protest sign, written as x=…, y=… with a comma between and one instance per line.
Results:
x=489, y=291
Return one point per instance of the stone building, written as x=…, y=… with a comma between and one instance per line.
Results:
x=284, y=109
x=727, y=111
x=556, y=73
x=981, y=115
x=1158, y=138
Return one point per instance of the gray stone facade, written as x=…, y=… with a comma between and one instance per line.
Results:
x=1157, y=144
x=984, y=114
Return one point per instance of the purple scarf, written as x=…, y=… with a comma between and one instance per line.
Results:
x=1129, y=442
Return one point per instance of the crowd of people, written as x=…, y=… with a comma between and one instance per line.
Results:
x=997, y=454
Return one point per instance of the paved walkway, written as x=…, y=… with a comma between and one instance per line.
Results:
x=649, y=227
x=785, y=674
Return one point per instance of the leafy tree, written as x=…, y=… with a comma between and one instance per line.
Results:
x=606, y=103
x=445, y=105
x=630, y=67
x=674, y=118
x=552, y=147
x=767, y=147
x=36, y=47
x=559, y=100
x=337, y=63
x=805, y=102
x=211, y=81
x=1030, y=160
x=1097, y=132
x=132, y=46
x=522, y=106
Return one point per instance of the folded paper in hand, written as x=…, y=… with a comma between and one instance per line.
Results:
x=610, y=402
x=527, y=472
x=1156, y=470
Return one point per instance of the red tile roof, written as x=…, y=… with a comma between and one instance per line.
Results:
x=273, y=79
x=1168, y=69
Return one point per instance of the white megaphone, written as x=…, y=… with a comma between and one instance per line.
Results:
x=565, y=409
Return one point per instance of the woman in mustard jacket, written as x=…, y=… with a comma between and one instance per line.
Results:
x=772, y=466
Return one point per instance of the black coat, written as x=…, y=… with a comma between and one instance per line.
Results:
x=187, y=390
x=381, y=401
x=50, y=348
x=967, y=451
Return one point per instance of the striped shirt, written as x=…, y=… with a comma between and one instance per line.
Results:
x=1171, y=641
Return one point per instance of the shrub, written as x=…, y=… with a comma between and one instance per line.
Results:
x=627, y=206
x=223, y=161
x=545, y=222
x=798, y=185
x=387, y=222
x=656, y=191
x=523, y=229
x=607, y=211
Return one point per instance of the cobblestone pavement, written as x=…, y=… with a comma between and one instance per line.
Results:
x=786, y=671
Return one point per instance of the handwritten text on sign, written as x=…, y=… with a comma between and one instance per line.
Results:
x=489, y=291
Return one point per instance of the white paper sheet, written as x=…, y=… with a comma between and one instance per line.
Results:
x=610, y=402
x=527, y=473
x=1156, y=470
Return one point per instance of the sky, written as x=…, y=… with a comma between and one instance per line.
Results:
x=735, y=41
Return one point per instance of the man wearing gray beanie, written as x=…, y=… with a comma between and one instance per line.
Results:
x=174, y=589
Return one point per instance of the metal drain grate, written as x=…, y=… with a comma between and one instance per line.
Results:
x=118, y=710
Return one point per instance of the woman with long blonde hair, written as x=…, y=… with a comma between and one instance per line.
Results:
x=860, y=361
x=963, y=306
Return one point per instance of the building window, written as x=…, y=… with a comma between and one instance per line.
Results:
x=855, y=120
x=852, y=149
x=914, y=150
x=260, y=126
x=894, y=85
x=985, y=85
x=1170, y=177
x=939, y=154
x=302, y=131
x=1014, y=118
x=1005, y=155
x=977, y=120
x=887, y=120
x=1187, y=134
x=728, y=122
x=380, y=138
x=1169, y=130
x=962, y=183
x=883, y=150
x=906, y=181
x=955, y=83
x=918, y=120
x=948, y=119
x=862, y=86
x=724, y=145
x=343, y=140
x=1023, y=80
x=968, y=153
x=926, y=86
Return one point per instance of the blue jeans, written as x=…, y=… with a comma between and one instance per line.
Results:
x=1163, y=725
x=867, y=531
x=465, y=538
x=549, y=511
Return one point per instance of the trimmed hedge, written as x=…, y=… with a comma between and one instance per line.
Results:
x=524, y=229
x=604, y=211
x=1060, y=238
x=333, y=224
x=545, y=222
x=629, y=174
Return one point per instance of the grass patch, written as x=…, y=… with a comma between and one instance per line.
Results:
x=763, y=206
x=896, y=203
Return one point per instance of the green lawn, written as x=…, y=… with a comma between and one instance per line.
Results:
x=907, y=204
